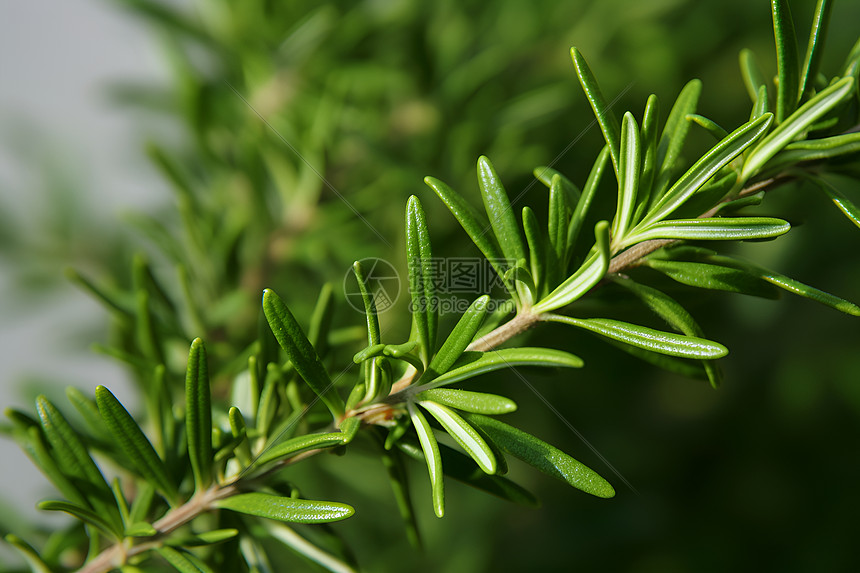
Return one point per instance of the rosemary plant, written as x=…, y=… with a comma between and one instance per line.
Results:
x=201, y=481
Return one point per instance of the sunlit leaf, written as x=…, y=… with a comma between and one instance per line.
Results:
x=712, y=229
x=673, y=137
x=647, y=338
x=432, y=457
x=425, y=316
x=475, y=402
x=814, y=48
x=475, y=363
x=787, y=60
x=602, y=111
x=584, y=203
x=629, y=164
x=498, y=207
x=463, y=434
x=717, y=277
x=287, y=509
x=300, y=444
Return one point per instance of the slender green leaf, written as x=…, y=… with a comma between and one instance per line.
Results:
x=717, y=277
x=460, y=338
x=198, y=415
x=373, y=335
x=630, y=158
x=142, y=503
x=300, y=444
x=814, y=48
x=74, y=461
x=134, y=443
x=647, y=338
x=844, y=204
x=393, y=462
x=673, y=137
x=84, y=514
x=712, y=229
x=602, y=111
x=178, y=559
x=206, y=538
x=588, y=275
x=674, y=314
x=546, y=174
x=425, y=315
x=499, y=211
x=709, y=125
x=471, y=221
x=475, y=402
x=463, y=434
x=432, y=457
x=787, y=59
x=39, y=452
x=816, y=149
x=541, y=263
x=302, y=355
x=799, y=121
x=543, y=456
x=475, y=363
x=140, y=529
x=754, y=79
x=709, y=164
x=462, y=468
x=321, y=318
x=302, y=546
x=582, y=206
x=791, y=285
x=559, y=218
x=286, y=508
x=30, y=555
x=761, y=105
x=648, y=138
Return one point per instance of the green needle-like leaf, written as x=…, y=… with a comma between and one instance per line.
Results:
x=475, y=402
x=710, y=163
x=198, y=415
x=286, y=508
x=178, y=559
x=432, y=457
x=816, y=150
x=787, y=63
x=543, y=456
x=754, y=79
x=30, y=555
x=605, y=117
x=674, y=314
x=425, y=315
x=462, y=468
x=546, y=174
x=647, y=338
x=302, y=355
x=844, y=204
x=559, y=218
x=814, y=48
x=463, y=434
x=582, y=206
x=709, y=125
x=471, y=221
x=791, y=285
x=307, y=549
x=673, y=137
x=460, y=338
x=629, y=165
x=711, y=229
x=588, y=275
x=300, y=444
x=799, y=121
x=134, y=443
x=373, y=336
x=648, y=139
x=542, y=263
x=84, y=514
x=717, y=277
x=499, y=211
x=475, y=363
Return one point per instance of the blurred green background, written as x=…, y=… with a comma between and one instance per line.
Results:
x=373, y=96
